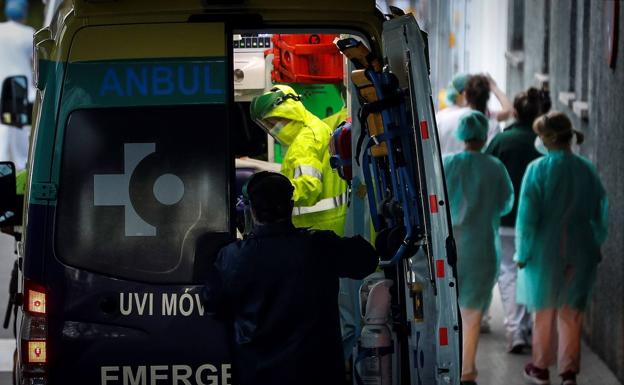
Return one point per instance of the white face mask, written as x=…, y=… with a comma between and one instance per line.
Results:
x=539, y=146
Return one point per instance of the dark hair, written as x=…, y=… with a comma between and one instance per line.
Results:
x=527, y=105
x=477, y=92
x=270, y=195
x=276, y=212
x=544, y=99
x=556, y=128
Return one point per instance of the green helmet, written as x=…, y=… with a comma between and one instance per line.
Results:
x=279, y=112
x=262, y=105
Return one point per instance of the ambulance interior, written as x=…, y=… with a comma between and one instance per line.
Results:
x=310, y=63
x=313, y=66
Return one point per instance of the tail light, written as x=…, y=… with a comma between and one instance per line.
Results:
x=35, y=299
x=37, y=352
x=33, y=338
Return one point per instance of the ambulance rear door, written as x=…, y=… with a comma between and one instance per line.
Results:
x=142, y=169
x=431, y=288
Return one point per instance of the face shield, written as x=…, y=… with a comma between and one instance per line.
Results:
x=262, y=108
x=273, y=125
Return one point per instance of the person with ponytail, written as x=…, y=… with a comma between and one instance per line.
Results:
x=514, y=147
x=478, y=90
x=561, y=224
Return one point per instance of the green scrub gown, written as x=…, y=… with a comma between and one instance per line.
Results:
x=479, y=193
x=562, y=221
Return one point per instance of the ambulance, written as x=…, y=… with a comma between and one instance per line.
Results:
x=141, y=139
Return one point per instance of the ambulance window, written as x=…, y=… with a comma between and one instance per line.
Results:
x=143, y=193
x=249, y=138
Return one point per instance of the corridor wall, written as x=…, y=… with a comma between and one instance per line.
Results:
x=564, y=43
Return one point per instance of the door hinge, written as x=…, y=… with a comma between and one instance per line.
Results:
x=43, y=191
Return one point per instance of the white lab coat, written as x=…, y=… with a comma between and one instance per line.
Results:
x=16, y=42
x=447, y=120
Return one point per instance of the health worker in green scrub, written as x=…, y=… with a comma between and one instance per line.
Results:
x=514, y=147
x=562, y=221
x=479, y=193
x=320, y=195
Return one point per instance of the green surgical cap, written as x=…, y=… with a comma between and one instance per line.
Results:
x=451, y=95
x=459, y=82
x=473, y=125
x=456, y=87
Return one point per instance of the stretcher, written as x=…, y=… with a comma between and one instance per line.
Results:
x=398, y=153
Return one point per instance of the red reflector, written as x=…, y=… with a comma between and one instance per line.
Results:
x=424, y=130
x=443, y=336
x=440, y=268
x=35, y=298
x=433, y=203
x=37, y=352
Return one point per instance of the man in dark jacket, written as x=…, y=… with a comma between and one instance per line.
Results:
x=280, y=288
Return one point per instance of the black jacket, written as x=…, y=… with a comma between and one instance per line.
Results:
x=280, y=288
x=515, y=148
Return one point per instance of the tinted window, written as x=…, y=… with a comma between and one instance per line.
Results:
x=7, y=190
x=251, y=140
x=143, y=192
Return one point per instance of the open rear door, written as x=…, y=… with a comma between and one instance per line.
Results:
x=431, y=309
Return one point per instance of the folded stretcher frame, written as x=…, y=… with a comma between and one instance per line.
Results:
x=392, y=154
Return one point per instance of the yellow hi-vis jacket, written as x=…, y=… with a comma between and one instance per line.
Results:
x=320, y=195
x=334, y=120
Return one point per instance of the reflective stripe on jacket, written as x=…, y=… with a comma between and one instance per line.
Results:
x=320, y=194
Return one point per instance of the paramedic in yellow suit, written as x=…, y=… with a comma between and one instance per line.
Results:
x=320, y=195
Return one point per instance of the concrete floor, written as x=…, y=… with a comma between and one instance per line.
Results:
x=5, y=378
x=496, y=367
